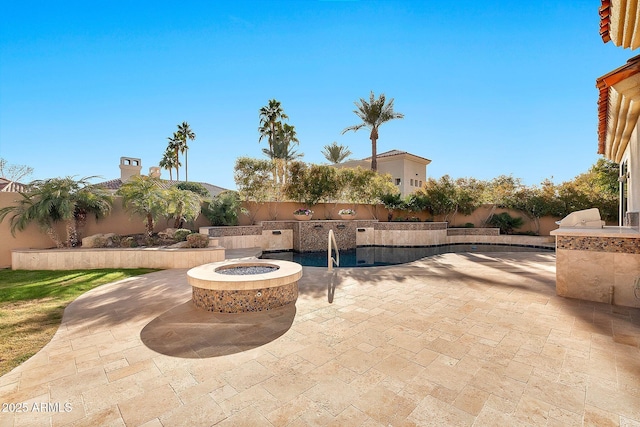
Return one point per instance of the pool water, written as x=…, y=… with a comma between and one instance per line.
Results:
x=371, y=256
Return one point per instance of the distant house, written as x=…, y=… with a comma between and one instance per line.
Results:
x=130, y=166
x=409, y=172
x=7, y=186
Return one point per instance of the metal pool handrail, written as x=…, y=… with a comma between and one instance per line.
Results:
x=331, y=242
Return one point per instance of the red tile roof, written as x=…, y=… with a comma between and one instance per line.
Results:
x=605, y=20
x=392, y=153
x=603, y=84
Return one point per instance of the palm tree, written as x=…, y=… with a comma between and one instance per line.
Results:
x=90, y=200
x=185, y=132
x=174, y=146
x=182, y=205
x=47, y=202
x=168, y=162
x=143, y=195
x=281, y=152
x=373, y=114
x=270, y=118
x=336, y=153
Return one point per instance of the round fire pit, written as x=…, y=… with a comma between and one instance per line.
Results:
x=244, y=286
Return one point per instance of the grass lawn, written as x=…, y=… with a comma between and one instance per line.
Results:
x=32, y=303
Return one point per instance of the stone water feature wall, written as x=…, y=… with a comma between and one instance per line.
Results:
x=311, y=236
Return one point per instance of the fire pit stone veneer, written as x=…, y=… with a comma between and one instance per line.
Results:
x=240, y=293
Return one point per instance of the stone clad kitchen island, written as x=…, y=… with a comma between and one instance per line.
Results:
x=598, y=264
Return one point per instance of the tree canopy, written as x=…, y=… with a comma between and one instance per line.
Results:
x=373, y=114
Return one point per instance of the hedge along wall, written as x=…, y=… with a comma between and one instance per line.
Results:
x=119, y=222
x=283, y=211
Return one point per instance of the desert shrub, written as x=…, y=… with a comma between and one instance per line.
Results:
x=99, y=242
x=223, y=209
x=469, y=225
x=505, y=222
x=197, y=240
x=128, y=242
x=181, y=234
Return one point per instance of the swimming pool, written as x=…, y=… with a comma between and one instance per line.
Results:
x=372, y=256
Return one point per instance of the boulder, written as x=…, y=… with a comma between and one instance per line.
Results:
x=168, y=233
x=98, y=240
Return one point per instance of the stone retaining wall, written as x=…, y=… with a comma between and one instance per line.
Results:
x=87, y=259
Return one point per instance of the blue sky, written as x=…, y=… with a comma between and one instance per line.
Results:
x=487, y=87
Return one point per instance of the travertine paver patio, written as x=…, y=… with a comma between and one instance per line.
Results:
x=456, y=339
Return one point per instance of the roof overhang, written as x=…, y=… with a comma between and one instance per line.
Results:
x=618, y=108
x=620, y=23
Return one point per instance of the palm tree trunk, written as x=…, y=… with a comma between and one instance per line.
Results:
x=72, y=234
x=149, y=225
x=186, y=165
x=177, y=167
x=374, y=154
x=51, y=232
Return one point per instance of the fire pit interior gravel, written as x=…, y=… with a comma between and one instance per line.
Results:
x=244, y=286
x=241, y=271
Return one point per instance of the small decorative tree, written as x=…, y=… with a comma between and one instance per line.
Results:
x=310, y=185
x=254, y=182
x=182, y=205
x=143, y=195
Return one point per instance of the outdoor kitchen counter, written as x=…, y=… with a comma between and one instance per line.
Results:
x=607, y=231
x=598, y=264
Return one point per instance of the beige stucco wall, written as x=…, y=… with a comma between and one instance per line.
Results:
x=283, y=211
x=406, y=170
x=119, y=222
x=632, y=156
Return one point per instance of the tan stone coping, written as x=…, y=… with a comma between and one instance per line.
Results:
x=607, y=231
x=206, y=277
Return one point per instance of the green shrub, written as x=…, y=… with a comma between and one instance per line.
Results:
x=181, y=234
x=194, y=187
x=197, y=240
x=469, y=225
x=99, y=242
x=505, y=222
x=128, y=242
x=223, y=209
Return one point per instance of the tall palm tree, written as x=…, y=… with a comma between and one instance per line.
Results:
x=270, y=118
x=168, y=162
x=47, y=202
x=185, y=132
x=336, y=153
x=174, y=146
x=373, y=114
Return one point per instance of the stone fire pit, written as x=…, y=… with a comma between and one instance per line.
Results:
x=244, y=286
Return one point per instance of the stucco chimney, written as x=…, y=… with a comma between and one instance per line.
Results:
x=154, y=172
x=129, y=167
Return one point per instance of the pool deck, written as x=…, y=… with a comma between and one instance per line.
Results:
x=454, y=339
